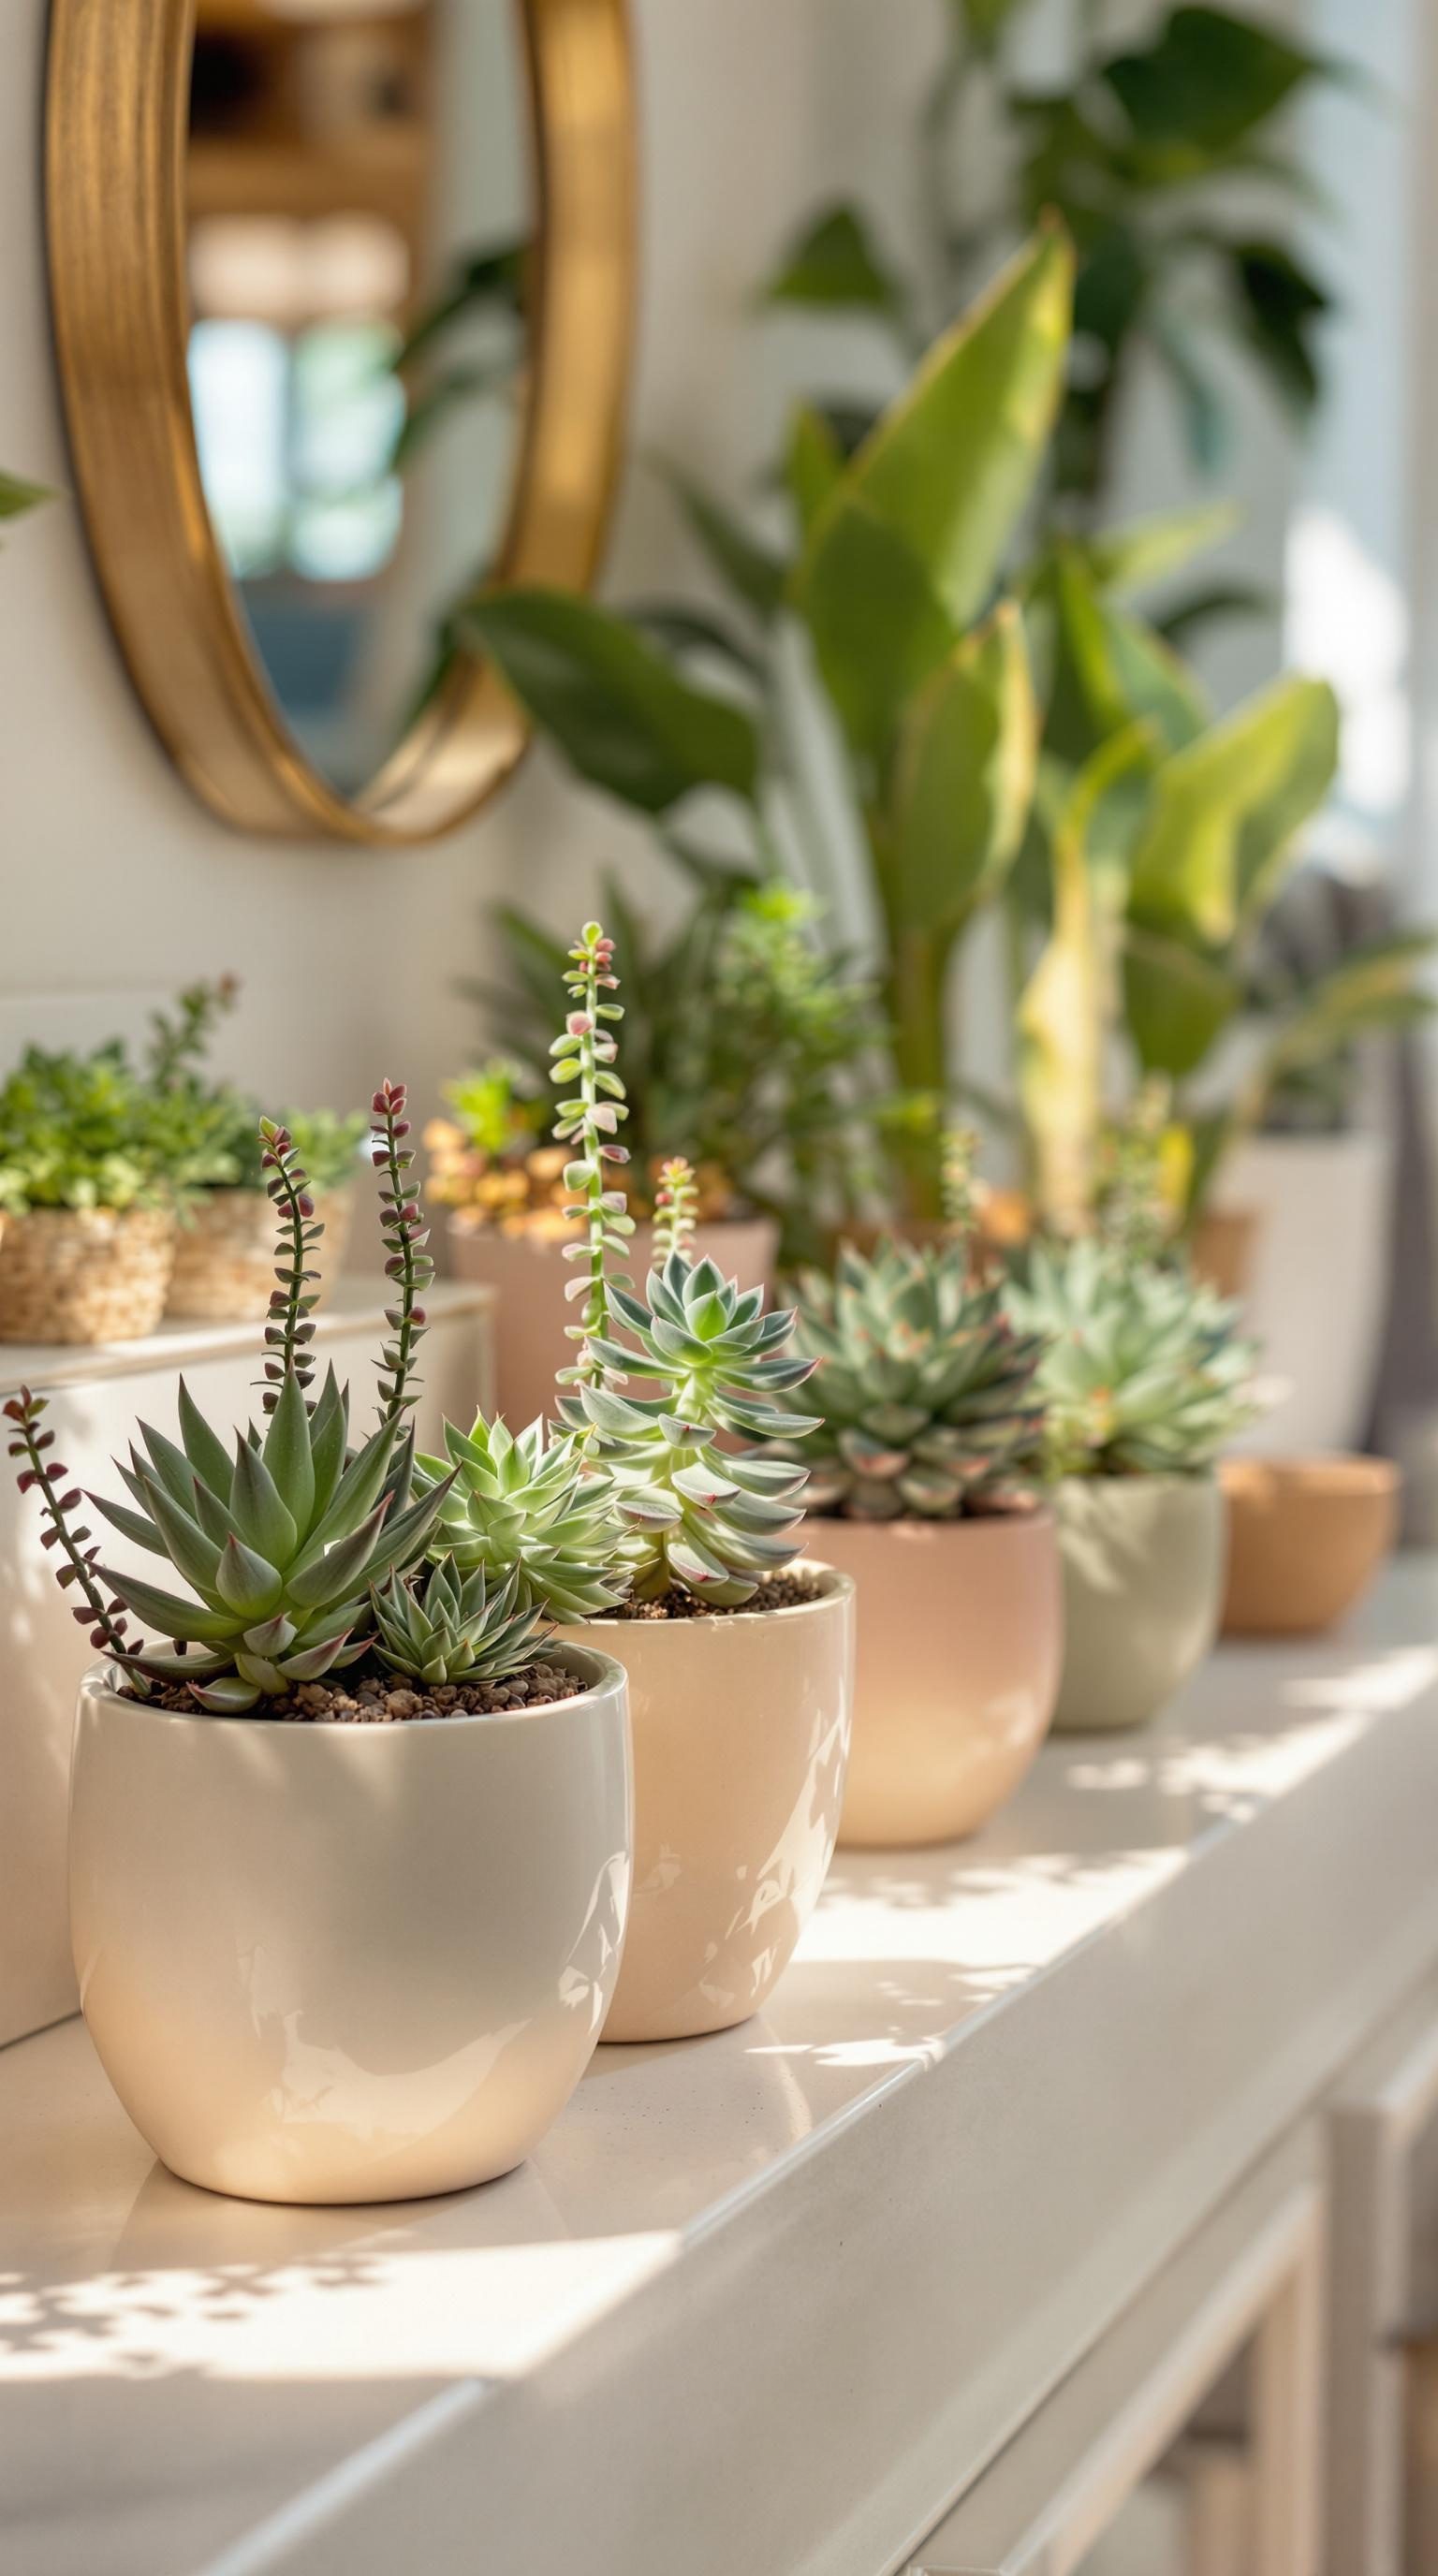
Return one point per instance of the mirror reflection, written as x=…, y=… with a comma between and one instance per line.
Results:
x=359, y=200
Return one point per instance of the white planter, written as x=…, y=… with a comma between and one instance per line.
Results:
x=1318, y=1282
x=349, y=1963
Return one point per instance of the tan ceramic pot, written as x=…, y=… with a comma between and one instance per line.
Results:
x=225, y=1254
x=1223, y=1247
x=741, y=1737
x=84, y=1274
x=1143, y=1561
x=348, y=1963
x=960, y=1643
x=1306, y=1537
x=529, y=1276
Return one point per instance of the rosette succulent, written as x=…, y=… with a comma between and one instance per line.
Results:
x=528, y=1504
x=1144, y=1371
x=454, y=1627
x=925, y=1390
x=281, y=1542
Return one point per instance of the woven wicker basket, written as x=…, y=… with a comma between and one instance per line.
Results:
x=225, y=1254
x=84, y=1274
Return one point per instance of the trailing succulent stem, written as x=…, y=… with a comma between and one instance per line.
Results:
x=289, y=1331
x=104, y=1619
x=406, y=1245
x=282, y=1545
x=675, y=1205
x=588, y=1123
x=179, y=1043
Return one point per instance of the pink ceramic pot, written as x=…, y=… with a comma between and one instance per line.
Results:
x=960, y=1649
x=530, y=1275
x=741, y=1736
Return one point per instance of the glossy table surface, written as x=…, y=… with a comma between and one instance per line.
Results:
x=766, y=2300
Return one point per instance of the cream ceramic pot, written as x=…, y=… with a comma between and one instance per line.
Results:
x=530, y=1274
x=741, y=1738
x=348, y=1963
x=1143, y=1561
x=960, y=1640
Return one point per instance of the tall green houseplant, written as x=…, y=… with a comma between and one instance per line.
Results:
x=894, y=576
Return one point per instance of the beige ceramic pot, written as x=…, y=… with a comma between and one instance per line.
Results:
x=529, y=1276
x=225, y=1254
x=741, y=1737
x=1143, y=1561
x=1306, y=1537
x=84, y=1274
x=348, y=1963
x=960, y=1642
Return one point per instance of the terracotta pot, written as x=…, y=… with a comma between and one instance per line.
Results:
x=530, y=1275
x=741, y=1738
x=348, y=1963
x=1306, y=1537
x=960, y=1643
x=1223, y=1247
x=84, y=1274
x=225, y=1254
x=1143, y=1561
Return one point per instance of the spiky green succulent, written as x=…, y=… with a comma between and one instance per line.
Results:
x=710, y=1523
x=282, y=1543
x=924, y=1390
x=1144, y=1371
x=525, y=1503
x=455, y=1628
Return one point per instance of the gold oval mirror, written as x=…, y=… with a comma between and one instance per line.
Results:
x=342, y=298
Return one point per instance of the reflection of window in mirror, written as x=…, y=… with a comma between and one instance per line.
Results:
x=359, y=202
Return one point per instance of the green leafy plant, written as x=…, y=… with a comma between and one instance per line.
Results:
x=1166, y=158
x=17, y=496
x=283, y=1544
x=925, y=1391
x=455, y=1628
x=1143, y=1370
x=899, y=551
x=747, y=1044
x=216, y=1125
x=85, y=1132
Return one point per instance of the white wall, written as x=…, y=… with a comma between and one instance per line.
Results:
x=117, y=885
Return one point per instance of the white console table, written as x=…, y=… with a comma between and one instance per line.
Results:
x=1032, y=2129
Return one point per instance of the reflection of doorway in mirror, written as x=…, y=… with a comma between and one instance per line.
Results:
x=358, y=196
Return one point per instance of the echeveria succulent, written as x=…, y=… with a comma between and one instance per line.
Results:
x=455, y=1628
x=924, y=1389
x=1144, y=1371
x=527, y=1502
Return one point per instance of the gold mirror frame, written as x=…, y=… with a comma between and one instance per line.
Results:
x=117, y=131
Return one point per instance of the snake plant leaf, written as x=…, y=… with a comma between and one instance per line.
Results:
x=613, y=706
x=1226, y=810
x=951, y=466
x=1068, y=1006
x=1177, y=1002
x=813, y=463
x=964, y=780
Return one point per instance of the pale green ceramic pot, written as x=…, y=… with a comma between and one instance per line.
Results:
x=1144, y=1560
